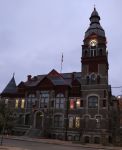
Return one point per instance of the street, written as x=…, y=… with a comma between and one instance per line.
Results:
x=39, y=146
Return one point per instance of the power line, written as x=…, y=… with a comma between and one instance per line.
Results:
x=117, y=87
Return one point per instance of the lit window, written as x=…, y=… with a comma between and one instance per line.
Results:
x=93, y=102
x=77, y=122
x=78, y=103
x=72, y=104
x=6, y=101
x=70, y=122
x=16, y=103
x=22, y=103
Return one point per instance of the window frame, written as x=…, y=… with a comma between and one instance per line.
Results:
x=92, y=102
x=58, y=121
x=59, y=101
x=44, y=99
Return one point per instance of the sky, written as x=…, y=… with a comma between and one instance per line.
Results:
x=35, y=33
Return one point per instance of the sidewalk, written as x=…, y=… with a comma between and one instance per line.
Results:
x=10, y=148
x=59, y=142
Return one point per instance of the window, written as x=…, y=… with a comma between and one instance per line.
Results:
x=93, y=77
x=52, y=103
x=22, y=103
x=44, y=99
x=85, y=53
x=6, y=101
x=78, y=103
x=87, y=80
x=58, y=121
x=16, y=103
x=72, y=103
x=71, y=122
x=81, y=103
x=59, y=103
x=98, y=79
x=104, y=93
x=93, y=102
x=77, y=122
x=92, y=52
x=104, y=103
x=31, y=100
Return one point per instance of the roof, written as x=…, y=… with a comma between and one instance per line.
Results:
x=95, y=27
x=55, y=77
x=11, y=87
x=94, y=13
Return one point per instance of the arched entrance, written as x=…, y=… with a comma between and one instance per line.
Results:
x=39, y=120
x=87, y=139
x=96, y=140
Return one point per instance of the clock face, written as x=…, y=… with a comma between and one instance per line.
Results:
x=93, y=43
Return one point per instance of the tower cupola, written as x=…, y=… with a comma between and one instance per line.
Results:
x=95, y=27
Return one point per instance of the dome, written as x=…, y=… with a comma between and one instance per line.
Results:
x=95, y=27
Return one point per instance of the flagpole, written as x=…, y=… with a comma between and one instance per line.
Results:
x=61, y=63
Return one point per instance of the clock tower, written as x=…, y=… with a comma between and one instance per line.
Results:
x=95, y=91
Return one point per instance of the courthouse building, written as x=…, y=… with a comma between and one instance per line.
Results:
x=76, y=106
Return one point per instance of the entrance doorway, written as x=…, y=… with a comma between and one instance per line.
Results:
x=39, y=120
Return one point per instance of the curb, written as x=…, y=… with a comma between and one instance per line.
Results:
x=61, y=143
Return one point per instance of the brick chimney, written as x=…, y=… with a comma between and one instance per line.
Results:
x=29, y=77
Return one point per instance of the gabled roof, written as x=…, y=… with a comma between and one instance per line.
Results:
x=11, y=87
x=55, y=77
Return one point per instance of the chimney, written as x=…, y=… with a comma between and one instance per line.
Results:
x=29, y=77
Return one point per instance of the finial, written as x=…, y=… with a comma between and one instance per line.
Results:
x=13, y=74
x=94, y=7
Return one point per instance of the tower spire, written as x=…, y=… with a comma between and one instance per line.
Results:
x=95, y=26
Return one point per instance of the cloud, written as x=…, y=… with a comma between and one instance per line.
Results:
x=33, y=34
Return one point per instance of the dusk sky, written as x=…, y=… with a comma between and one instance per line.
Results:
x=34, y=33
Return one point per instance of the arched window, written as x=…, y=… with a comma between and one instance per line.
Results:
x=93, y=76
x=59, y=103
x=44, y=99
x=92, y=102
x=93, y=51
